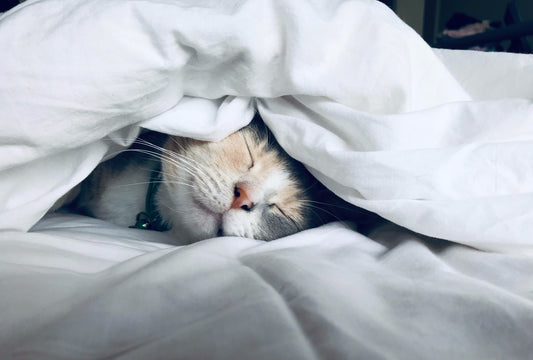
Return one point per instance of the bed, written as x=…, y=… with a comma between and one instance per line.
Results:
x=437, y=142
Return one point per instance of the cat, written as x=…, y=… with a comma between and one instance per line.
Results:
x=245, y=185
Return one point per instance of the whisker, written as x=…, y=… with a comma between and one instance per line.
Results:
x=172, y=209
x=313, y=207
x=192, y=167
x=345, y=207
x=171, y=153
x=152, y=182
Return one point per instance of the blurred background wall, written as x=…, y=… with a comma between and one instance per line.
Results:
x=428, y=17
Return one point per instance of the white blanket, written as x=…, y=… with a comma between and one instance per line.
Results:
x=439, y=142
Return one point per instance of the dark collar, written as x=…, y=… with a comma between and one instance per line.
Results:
x=150, y=219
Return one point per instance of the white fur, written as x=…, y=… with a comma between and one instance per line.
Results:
x=277, y=180
x=124, y=197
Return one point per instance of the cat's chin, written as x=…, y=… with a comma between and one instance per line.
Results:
x=235, y=222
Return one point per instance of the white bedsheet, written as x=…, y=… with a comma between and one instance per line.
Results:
x=81, y=289
x=439, y=142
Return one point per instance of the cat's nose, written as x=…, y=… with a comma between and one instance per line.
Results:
x=241, y=197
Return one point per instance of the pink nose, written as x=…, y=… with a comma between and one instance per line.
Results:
x=242, y=198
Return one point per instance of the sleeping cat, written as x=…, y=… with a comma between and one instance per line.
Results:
x=244, y=185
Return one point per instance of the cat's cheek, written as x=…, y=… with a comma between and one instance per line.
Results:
x=205, y=225
x=192, y=224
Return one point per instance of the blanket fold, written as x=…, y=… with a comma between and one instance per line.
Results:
x=382, y=119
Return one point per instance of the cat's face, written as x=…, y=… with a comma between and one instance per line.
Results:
x=244, y=185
